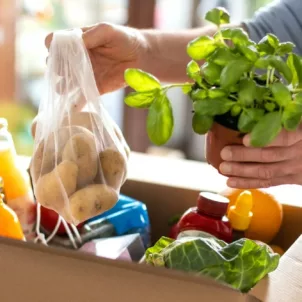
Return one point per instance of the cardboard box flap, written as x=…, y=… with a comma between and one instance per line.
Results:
x=36, y=273
x=285, y=283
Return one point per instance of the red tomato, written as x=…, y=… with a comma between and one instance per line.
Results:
x=49, y=220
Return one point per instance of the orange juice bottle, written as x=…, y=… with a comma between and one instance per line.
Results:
x=18, y=192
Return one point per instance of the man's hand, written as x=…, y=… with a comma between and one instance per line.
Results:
x=113, y=49
x=279, y=163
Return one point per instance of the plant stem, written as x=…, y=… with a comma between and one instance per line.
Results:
x=272, y=75
x=233, y=97
x=268, y=76
x=178, y=85
x=297, y=90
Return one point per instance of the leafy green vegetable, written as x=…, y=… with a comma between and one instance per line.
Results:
x=295, y=65
x=250, y=52
x=218, y=16
x=236, y=109
x=233, y=71
x=193, y=71
x=273, y=41
x=211, y=72
x=247, y=91
x=202, y=123
x=160, y=120
x=140, y=80
x=222, y=56
x=285, y=48
x=141, y=99
x=255, y=87
x=212, y=106
x=267, y=129
x=291, y=116
x=281, y=94
x=248, y=119
x=282, y=67
x=201, y=47
x=241, y=264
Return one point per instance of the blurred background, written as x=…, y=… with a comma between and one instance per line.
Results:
x=24, y=25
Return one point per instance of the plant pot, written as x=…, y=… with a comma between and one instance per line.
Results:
x=216, y=139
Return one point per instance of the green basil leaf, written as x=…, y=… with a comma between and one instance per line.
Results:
x=212, y=107
x=285, y=48
x=298, y=98
x=141, y=99
x=295, y=65
x=233, y=71
x=200, y=48
x=262, y=62
x=281, y=94
x=273, y=41
x=211, y=72
x=222, y=56
x=281, y=67
x=247, y=91
x=234, y=88
x=193, y=70
x=248, y=119
x=160, y=121
x=235, y=110
x=267, y=129
x=140, y=80
x=198, y=94
x=201, y=124
x=270, y=106
x=186, y=89
x=237, y=35
x=216, y=93
x=218, y=16
x=264, y=46
x=250, y=52
x=291, y=116
x=261, y=92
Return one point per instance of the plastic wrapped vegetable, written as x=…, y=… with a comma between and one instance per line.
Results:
x=80, y=155
x=241, y=264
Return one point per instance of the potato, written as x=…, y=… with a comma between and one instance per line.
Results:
x=81, y=149
x=52, y=189
x=46, y=156
x=88, y=119
x=91, y=201
x=113, y=167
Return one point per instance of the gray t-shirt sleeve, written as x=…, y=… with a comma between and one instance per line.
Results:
x=282, y=18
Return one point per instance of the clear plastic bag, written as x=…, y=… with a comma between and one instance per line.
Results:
x=80, y=155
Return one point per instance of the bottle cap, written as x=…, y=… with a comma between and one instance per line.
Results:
x=212, y=204
x=240, y=214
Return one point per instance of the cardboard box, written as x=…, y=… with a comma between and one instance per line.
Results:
x=36, y=273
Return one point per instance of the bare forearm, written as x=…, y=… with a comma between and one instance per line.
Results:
x=167, y=59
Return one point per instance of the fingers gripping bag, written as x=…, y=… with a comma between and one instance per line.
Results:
x=80, y=155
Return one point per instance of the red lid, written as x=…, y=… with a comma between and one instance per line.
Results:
x=212, y=204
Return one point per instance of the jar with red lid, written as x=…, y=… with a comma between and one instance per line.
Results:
x=208, y=218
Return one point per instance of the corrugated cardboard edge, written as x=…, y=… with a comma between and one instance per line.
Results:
x=285, y=283
x=31, y=272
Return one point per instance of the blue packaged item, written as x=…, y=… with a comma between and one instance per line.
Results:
x=128, y=216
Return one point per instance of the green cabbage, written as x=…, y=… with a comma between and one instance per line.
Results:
x=240, y=264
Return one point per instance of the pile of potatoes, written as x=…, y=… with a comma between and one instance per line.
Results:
x=78, y=170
